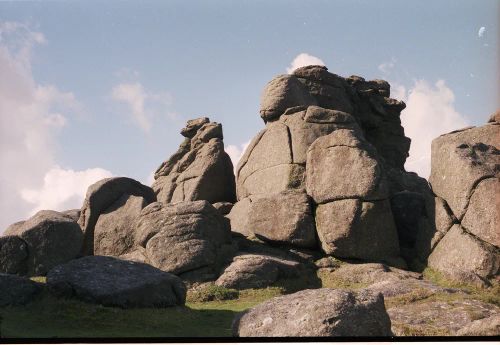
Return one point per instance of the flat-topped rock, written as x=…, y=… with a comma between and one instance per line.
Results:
x=118, y=283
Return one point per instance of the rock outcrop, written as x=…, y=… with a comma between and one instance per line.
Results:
x=199, y=170
x=34, y=246
x=340, y=143
x=111, y=197
x=316, y=313
x=113, y=282
x=465, y=176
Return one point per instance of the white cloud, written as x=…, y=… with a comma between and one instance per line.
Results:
x=236, y=151
x=142, y=103
x=31, y=115
x=386, y=67
x=63, y=189
x=429, y=113
x=481, y=31
x=302, y=60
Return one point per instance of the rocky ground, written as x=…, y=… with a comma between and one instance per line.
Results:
x=319, y=231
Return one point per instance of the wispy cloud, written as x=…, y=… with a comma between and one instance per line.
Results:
x=430, y=112
x=144, y=105
x=386, y=67
x=302, y=60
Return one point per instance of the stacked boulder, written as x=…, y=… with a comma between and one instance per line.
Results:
x=326, y=168
x=199, y=170
x=465, y=179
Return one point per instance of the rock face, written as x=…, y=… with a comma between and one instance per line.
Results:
x=17, y=290
x=250, y=271
x=184, y=236
x=316, y=313
x=34, y=246
x=200, y=169
x=465, y=176
x=113, y=282
x=104, y=197
x=340, y=143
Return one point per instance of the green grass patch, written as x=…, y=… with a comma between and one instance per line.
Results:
x=329, y=280
x=211, y=292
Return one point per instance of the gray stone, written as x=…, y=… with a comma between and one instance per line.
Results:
x=495, y=117
x=13, y=255
x=358, y=230
x=250, y=271
x=118, y=283
x=223, y=207
x=342, y=165
x=100, y=196
x=284, y=218
x=17, y=290
x=438, y=317
x=114, y=230
x=199, y=170
x=281, y=93
x=239, y=217
x=488, y=326
x=482, y=217
x=461, y=256
x=183, y=236
x=460, y=160
x=316, y=313
x=51, y=238
x=73, y=214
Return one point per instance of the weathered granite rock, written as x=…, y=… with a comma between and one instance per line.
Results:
x=200, y=169
x=239, y=217
x=251, y=271
x=488, y=326
x=482, y=217
x=354, y=229
x=495, y=117
x=319, y=313
x=17, y=290
x=223, y=207
x=284, y=218
x=462, y=256
x=114, y=232
x=13, y=255
x=51, y=238
x=183, y=236
x=460, y=160
x=342, y=165
x=102, y=195
x=113, y=282
x=73, y=214
x=438, y=317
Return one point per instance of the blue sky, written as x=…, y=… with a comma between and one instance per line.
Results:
x=103, y=87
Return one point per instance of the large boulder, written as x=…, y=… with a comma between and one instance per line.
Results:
x=17, y=290
x=13, y=255
x=114, y=232
x=254, y=271
x=354, y=229
x=285, y=217
x=118, y=283
x=316, y=313
x=183, y=236
x=100, y=197
x=50, y=238
x=200, y=169
x=461, y=256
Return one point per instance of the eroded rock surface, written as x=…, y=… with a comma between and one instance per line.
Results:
x=316, y=313
x=113, y=282
x=200, y=169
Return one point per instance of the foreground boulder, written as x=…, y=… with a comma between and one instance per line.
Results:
x=118, y=283
x=465, y=175
x=316, y=313
x=34, y=246
x=17, y=290
x=200, y=169
x=184, y=236
x=104, y=197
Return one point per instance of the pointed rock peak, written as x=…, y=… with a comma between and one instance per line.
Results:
x=192, y=126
